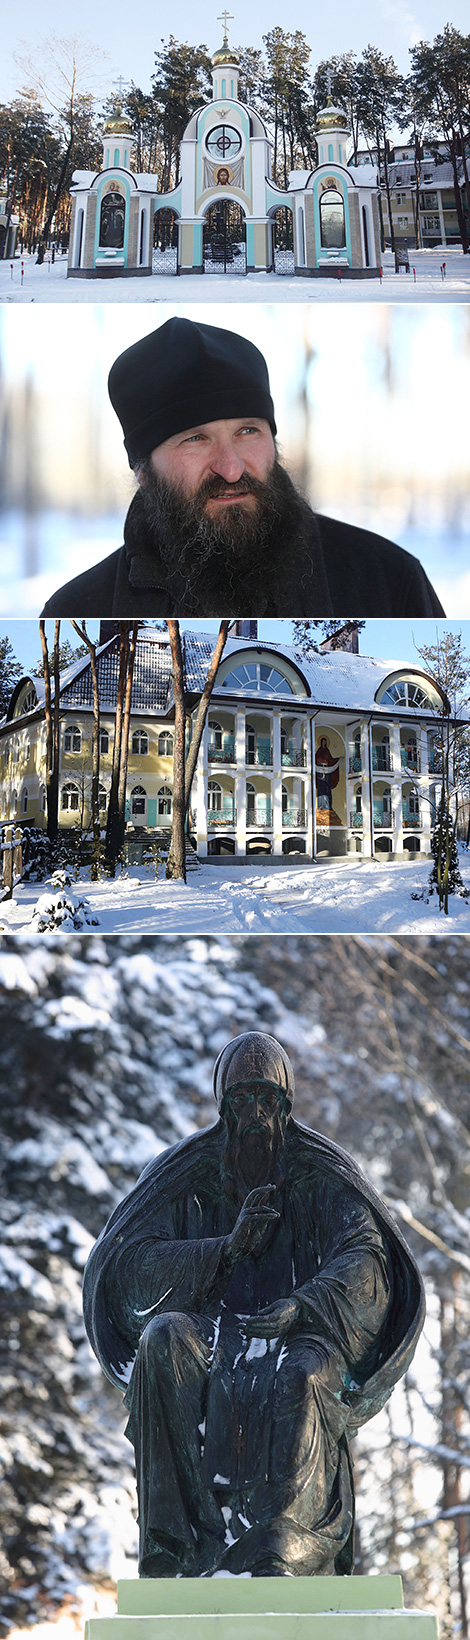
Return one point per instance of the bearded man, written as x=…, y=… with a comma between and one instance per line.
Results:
x=257, y=1300
x=216, y=526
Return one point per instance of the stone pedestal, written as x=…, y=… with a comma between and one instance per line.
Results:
x=267, y=1608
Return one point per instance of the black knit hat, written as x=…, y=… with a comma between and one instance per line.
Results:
x=182, y=375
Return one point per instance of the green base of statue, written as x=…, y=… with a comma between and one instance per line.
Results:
x=269, y=1608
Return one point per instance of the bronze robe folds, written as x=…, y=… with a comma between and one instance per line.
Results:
x=242, y=1448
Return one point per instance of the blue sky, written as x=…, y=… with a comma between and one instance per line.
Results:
x=387, y=640
x=129, y=44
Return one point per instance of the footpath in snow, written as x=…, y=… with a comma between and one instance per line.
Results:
x=49, y=283
x=363, y=897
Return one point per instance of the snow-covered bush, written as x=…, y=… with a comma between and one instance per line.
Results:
x=61, y=910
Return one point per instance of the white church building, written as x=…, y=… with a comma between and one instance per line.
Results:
x=222, y=215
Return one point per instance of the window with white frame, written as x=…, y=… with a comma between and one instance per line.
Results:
x=165, y=744
x=140, y=742
x=72, y=738
x=70, y=797
x=104, y=741
x=214, y=796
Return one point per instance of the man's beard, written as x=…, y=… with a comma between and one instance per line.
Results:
x=252, y=1155
x=222, y=558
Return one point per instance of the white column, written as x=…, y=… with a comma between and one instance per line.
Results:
x=424, y=798
x=367, y=849
x=240, y=781
x=276, y=788
x=396, y=784
x=201, y=799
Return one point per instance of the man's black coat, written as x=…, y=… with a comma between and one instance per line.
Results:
x=326, y=568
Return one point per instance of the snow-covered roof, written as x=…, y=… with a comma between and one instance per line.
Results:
x=336, y=680
x=365, y=176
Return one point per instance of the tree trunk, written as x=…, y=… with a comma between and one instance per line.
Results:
x=112, y=822
x=52, y=731
x=176, y=863
x=95, y=779
x=201, y=714
x=126, y=718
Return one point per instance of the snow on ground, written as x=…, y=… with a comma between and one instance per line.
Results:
x=347, y=896
x=49, y=283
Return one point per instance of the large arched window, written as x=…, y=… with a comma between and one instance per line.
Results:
x=332, y=224
x=102, y=798
x=70, y=797
x=112, y=220
x=104, y=742
x=72, y=738
x=257, y=677
x=165, y=744
x=410, y=693
x=140, y=742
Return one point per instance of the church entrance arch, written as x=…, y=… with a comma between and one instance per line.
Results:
x=224, y=240
x=165, y=241
x=283, y=239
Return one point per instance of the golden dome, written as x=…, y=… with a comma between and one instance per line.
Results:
x=118, y=125
x=225, y=56
x=332, y=118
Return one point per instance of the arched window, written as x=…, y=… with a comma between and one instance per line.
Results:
x=140, y=742
x=112, y=219
x=256, y=676
x=104, y=741
x=215, y=735
x=250, y=803
x=214, y=796
x=102, y=798
x=70, y=797
x=165, y=744
x=24, y=800
x=410, y=693
x=72, y=738
x=139, y=804
x=164, y=801
x=332, y=225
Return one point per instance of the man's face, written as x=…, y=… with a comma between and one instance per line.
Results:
x=255, y=1118
x=216, y=462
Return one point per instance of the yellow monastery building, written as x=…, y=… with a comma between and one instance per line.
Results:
x=332, y=756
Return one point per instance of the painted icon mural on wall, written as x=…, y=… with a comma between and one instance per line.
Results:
x=329, y=778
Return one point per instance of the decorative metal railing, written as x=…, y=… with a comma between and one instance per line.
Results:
x=294, y=758
x=225, y=816
x=411, y=817
x=355, y=763
x=356, y=820
x=259, y=813
x=292, y=816
x=261, y=752
x=382, y=817
x=224, y=753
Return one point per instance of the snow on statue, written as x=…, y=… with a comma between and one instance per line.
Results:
x=259, y=1304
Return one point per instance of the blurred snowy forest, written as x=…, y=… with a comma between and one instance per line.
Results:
x=107, y=1049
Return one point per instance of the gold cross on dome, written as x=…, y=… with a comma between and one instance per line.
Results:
x=225, y=18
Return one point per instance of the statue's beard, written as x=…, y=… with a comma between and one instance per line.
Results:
x=252, y=1155
x=240, y=542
